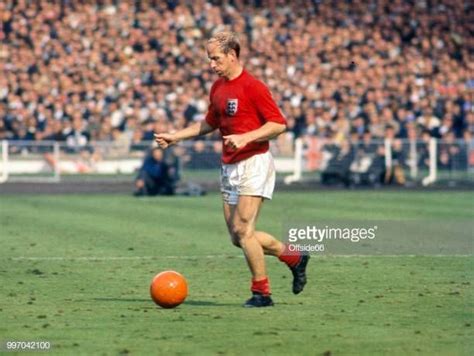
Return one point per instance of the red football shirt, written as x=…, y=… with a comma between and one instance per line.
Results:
x=238, y=106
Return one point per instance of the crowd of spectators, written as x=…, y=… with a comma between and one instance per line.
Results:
x=85, y=71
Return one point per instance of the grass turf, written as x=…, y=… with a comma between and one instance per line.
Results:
x=75, y=271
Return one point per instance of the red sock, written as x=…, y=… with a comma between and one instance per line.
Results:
x=290, y=258
x=261, y=286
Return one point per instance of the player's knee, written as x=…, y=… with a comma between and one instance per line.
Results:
x=241, y=231
x=233, y=237
x=235, y=241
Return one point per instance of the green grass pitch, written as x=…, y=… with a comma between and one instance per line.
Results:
x=75, y=271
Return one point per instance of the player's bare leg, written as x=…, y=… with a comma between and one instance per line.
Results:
x=296, y=262
x=271, y=246
x=241, y=220
x=242, y=227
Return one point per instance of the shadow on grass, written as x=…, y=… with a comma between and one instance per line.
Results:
x=122, y=300
x=195, y=303
x=206, y=303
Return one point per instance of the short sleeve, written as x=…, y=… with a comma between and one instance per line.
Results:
x=211, y=117
x=265, y=105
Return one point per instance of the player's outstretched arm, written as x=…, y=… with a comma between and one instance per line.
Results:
x=165, y=140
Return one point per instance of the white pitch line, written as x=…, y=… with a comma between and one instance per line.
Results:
x=188, y=257
x=116, y=258
x=394, y=256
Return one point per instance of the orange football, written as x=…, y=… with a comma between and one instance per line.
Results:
x=169, y=289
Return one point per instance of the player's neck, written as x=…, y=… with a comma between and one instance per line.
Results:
x=235, y=72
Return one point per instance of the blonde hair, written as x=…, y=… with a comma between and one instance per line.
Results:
x=227, y=41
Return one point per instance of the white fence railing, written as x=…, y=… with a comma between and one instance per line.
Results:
x=48, y=161
x=373, y=162
x=381, y=161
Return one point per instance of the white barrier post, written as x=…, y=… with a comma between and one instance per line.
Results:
x=413, y=160
x=388, y=153
x=298, y=163
x=433, y=151
x=56, y=153
x=4, y=176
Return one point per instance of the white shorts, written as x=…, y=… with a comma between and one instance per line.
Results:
x=253, y=176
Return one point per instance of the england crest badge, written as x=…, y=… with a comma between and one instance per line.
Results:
x=232, y=106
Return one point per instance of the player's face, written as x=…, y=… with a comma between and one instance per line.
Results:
x=220, y=62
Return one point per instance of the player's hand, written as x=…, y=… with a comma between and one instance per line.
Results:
x=164, y=140
x=235, y=141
